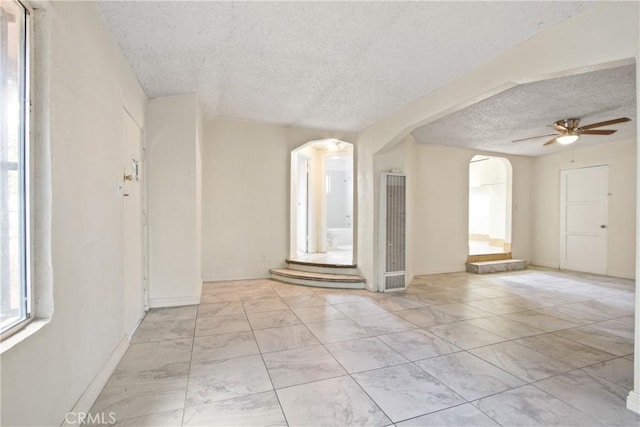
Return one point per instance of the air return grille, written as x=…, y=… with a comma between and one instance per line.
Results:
x=392, y=232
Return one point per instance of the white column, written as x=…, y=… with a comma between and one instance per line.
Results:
x=174, y=192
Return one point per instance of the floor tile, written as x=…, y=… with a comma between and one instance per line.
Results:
x=338, y=330
x=364, y=354
x=406, y=391
x=304, y=301
x=426, y=317
x=521, y=361
x=253, y=410
x=594, y=396
x=385, y=323
x=529, y=406
x=578, y=313
x=224, y=346
x=462, y=311
x=135, y=399
x=171, y=313
x=254, y=294
x=398, y=303
x=216, y=380
x=272, y=319
x=459, y=416
x=618, y=371
x=162, y=419
x=418, y=344
x=570, y=352
x=334, y=402
x=359, y=308
x=465, y=335
x=301, y=365
x=267, y=304
x=540, y=321
x=287, y=338
x=320, y=313
x=594, y=337
x=505, y=328
x=221, y=325
x=225, y=308
x=469, y=376
x=163, y=330
x=495, y=306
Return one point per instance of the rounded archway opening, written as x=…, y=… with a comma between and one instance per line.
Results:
x=490, y=188
x=322, y=203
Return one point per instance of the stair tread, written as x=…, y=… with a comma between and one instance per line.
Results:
x=502, y=261
x=328, y=277
x=320, y=264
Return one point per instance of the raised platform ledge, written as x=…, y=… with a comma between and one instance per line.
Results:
x=487, y=267
x=324, y=280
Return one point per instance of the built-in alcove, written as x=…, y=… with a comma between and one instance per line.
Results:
x=490, y=187
x=322, y=200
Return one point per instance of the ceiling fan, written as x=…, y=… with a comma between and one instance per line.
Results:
x=570, y=130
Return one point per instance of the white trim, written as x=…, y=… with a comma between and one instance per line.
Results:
x=98, y=382
x=633, y=402
x=173, y=301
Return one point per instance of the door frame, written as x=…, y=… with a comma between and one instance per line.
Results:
x=562, y=262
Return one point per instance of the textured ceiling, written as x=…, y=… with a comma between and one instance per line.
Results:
x=334, y=65
x=527, y=110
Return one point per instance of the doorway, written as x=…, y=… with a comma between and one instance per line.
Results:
x=583, y=219
x=489, y=205
x=322, y=203
x=134, y=259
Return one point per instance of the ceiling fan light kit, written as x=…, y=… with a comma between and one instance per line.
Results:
x=570, y=130
x=567, y=139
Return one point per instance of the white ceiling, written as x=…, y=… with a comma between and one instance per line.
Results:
x=527, y=110
x=334, y=65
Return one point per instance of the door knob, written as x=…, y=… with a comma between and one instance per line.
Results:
x=603, y=226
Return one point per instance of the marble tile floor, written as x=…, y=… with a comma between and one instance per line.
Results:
x=527, y=348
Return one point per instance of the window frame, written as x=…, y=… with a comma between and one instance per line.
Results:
x=25, y=168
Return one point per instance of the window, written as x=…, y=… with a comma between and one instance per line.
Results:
x=15, y=307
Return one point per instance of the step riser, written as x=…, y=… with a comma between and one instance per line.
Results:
x=320, y=269
x=497, y=267
x=317, y=283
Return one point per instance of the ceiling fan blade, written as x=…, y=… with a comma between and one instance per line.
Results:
x=598, y=132
x=534, y=137
x=607, y=123
x=560, y=127
x=553, y=141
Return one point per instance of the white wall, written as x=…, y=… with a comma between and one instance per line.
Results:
x=83, y=82
x=442, y=208
x=174, y=201
x=621, y=158
x=246, y=184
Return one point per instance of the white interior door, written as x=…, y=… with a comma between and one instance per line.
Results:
x=583, y=219
x=302, y=205
x=133, y=253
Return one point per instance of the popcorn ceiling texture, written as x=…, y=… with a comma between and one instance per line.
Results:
x=526, y=110
x=333, y=65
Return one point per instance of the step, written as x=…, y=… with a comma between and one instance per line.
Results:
x=488, y=257
x=314, y=267
x=324, y=280
x=500, y=266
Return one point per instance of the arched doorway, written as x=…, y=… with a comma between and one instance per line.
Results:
x=322, y=201
x=490, y=190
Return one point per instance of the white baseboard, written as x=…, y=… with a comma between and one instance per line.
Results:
x=633, y=402
x=173, y=301
x=88, y=398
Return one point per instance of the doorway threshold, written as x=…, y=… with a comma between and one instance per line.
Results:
x=336, y=259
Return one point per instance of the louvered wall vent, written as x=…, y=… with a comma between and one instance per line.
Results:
x=392, y=237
